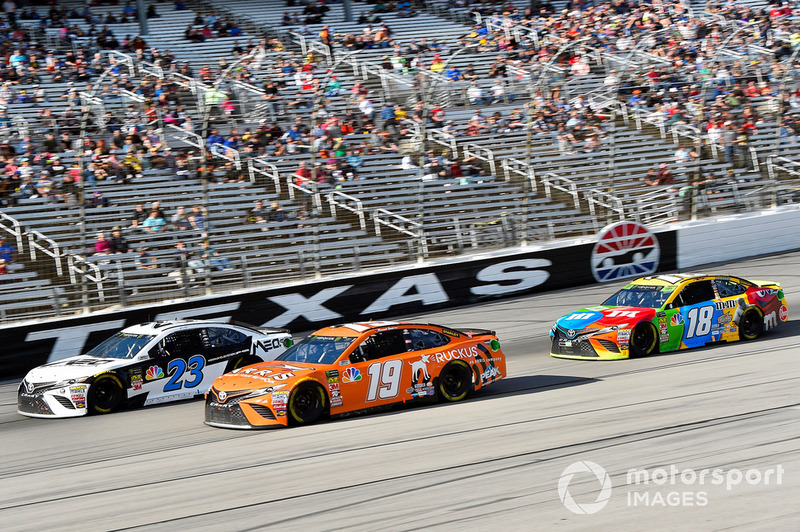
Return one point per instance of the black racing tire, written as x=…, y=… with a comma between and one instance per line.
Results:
x=643, y=340
x=455, y=381
x=106, y=394
x=751, y=324
x=241, y=362
x=306, y=403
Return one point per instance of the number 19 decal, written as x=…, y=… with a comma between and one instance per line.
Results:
x=699, y=319
x=384, y=379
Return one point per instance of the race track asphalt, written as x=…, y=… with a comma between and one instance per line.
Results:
x=491, y=462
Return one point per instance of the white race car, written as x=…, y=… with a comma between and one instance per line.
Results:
x=146, y=364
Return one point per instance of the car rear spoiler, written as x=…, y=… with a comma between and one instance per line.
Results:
x=767, y=284
x=478, y=332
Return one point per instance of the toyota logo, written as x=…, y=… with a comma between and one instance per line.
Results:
x=571, y=333
x=29, y=387
x=222, y=396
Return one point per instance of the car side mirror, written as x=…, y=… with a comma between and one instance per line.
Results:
x=357, y=356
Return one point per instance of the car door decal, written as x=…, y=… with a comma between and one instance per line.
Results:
x=384, y=379
x=698, y=321
x=176, y=369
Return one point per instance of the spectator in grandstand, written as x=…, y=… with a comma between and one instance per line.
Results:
x=145, y=261
x=276, y=213
x=211, y=257
x=198, y=219
x=180, y=220
x=257, y=214
x=154, y=223
x=101, y=245
x=118, y=242
x=7, y=252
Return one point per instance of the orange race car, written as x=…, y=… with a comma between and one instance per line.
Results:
x=356, y=367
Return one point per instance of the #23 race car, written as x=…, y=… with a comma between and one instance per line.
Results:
x=356, y=367
x=670, y=312
x=146, y=364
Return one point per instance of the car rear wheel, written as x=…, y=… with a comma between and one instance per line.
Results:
x=751, y=324
x=306, y=403
x=106, y=394
x=455, y=381
x=643, y=340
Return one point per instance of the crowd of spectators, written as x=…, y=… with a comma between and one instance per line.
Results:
x=349, y=123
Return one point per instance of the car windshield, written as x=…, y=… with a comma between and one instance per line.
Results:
x=121, y=345
x=317, y=349
x=640, y=296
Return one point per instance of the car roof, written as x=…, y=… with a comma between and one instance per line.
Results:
x=360, y=327
x=158, y=327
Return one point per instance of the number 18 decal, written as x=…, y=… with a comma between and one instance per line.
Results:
x=699, y=319
x=384, y=379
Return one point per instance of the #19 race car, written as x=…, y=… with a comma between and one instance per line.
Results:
x=146, y=364
x=670, y=312
x=356, y=367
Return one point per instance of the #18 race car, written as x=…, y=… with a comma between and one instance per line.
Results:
x=146, y=364
x=670, y=312
x=356, y=367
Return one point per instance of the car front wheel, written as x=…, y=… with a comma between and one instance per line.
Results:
x=643, y=340
x=106, y=394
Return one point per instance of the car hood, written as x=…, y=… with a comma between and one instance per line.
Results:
x=263, y=375
x=76, y=367
x=601, y=316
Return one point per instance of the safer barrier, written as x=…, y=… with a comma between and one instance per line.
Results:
x=306, y=305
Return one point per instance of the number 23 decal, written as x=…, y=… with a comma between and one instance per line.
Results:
x=177, y=368
x=699, y=321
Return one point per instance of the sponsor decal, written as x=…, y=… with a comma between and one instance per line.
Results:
x=783, y=313
x=724, y=319
x=344, y=362
x=77, y=395
x=579, y=320
x=332, y=375
x=664, y=338
x=280, y=398
x=450, y=332
x=268, y=344
x=765, y=293
x=136, y=382
x=622, y=314
x=280, y=412
x=78, y=389
x=623, y=334
x=490, y=372
x=351, y=375
x=419, y=369
x=154, y=372
x=624, y=249
x=464, y=352
x=676, y=319
x=333, y=386
x=730, y=303
x=336, y=396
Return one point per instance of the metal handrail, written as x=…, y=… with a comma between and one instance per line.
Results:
x=97, y=279
x=33, y=244
x=235, y=158
x=569, y=187
x=358, y=210
x=521, y=168
x=15, y=230
x=481, y=153
x=269, y=171
x=293, y=188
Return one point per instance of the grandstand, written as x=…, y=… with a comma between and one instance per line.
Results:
x=502, y=172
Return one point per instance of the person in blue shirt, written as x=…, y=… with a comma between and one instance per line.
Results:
x=453, y=74
x=129, y=10
x=215, y=138
x=154, y=224
x=7, y=251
